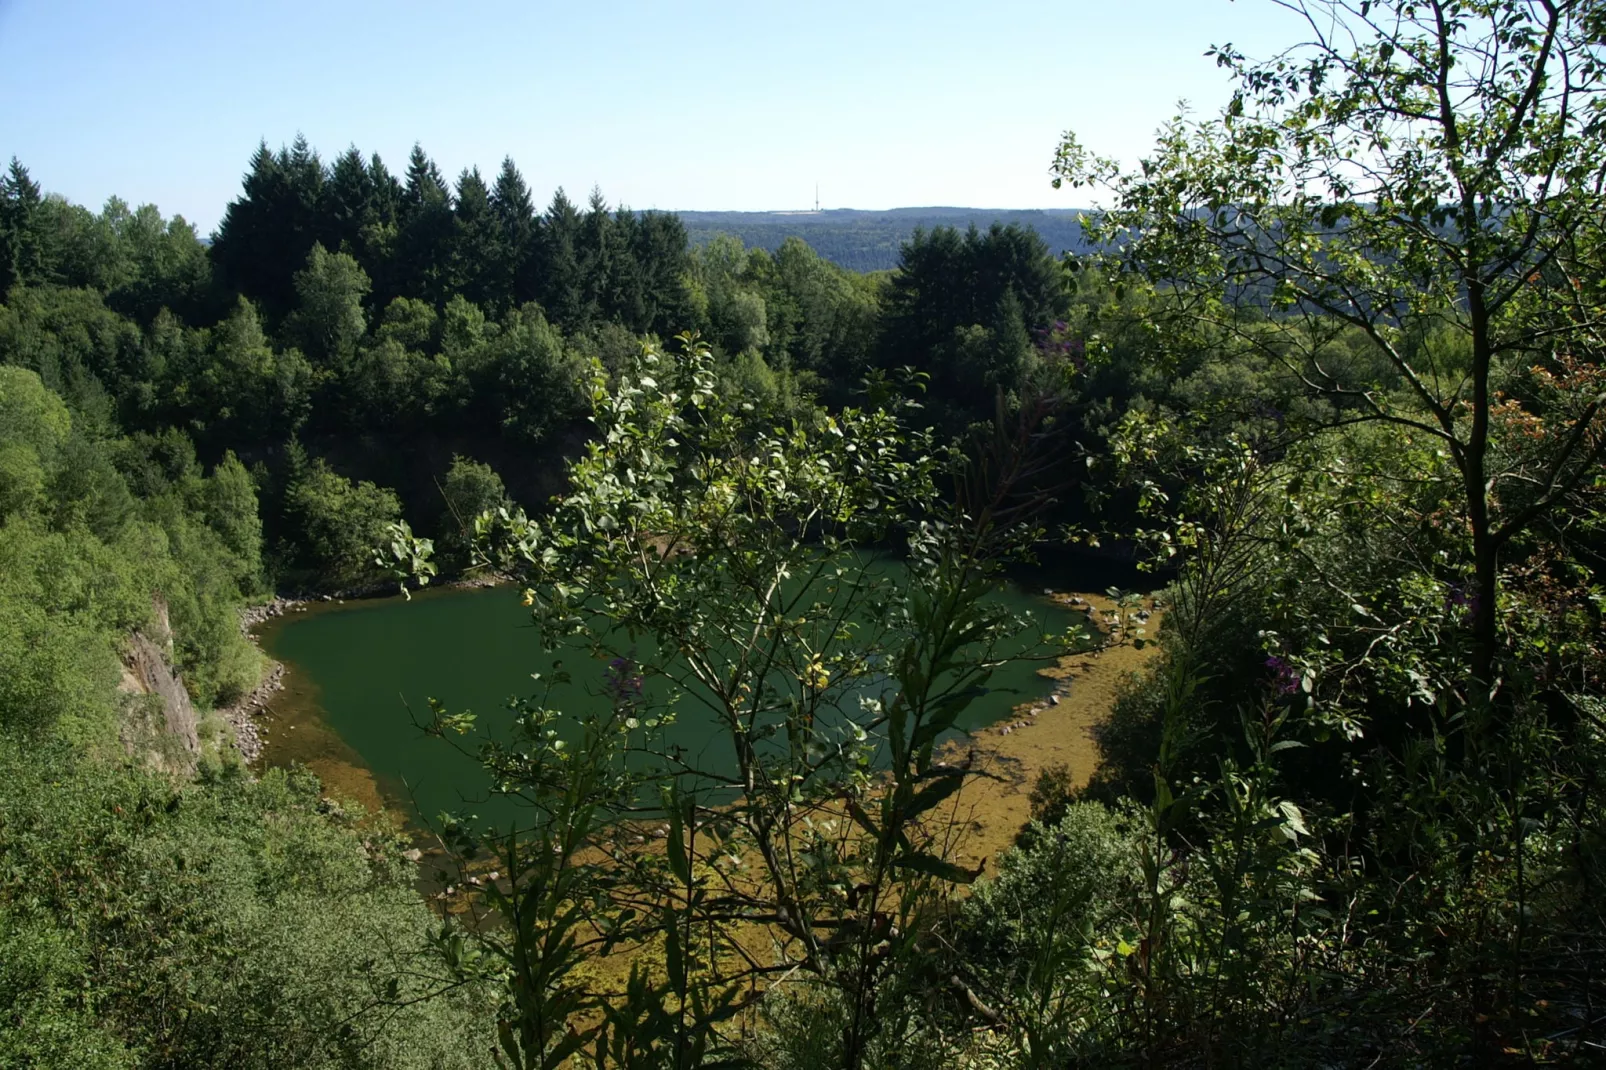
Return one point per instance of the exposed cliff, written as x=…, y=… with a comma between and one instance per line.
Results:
x=159, y=723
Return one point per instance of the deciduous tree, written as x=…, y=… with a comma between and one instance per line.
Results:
x=1428, y=174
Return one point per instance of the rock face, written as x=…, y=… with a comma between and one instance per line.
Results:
x=155, y=676
x=165, y=724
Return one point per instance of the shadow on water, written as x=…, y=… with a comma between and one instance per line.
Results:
x=360, y=675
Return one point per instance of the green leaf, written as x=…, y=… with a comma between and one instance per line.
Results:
x=1293, y=819
x=566, y=1047
x=510, y=1045
x=679, y=864
x=941, y=715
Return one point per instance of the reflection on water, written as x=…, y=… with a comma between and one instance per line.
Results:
x=360, y=673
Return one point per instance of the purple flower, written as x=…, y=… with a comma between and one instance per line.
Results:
x=1462, y=598
x=621, y=681
x=1285, y=677
x=1054, y=343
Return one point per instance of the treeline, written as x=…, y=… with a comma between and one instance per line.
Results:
x=423, y=238
x=869, y=241
x=158, y=905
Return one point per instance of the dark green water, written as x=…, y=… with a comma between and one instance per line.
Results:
x=359, y=672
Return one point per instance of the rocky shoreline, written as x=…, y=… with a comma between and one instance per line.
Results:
x=241, y=716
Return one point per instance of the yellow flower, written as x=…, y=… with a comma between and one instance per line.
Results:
x=529, y=597
x=816, y=676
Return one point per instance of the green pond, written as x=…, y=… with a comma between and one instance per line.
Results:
x=360, y=672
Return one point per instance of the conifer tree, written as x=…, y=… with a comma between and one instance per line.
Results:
x=596, y=255
x=350, y=204
x=475, y=259
x=561, y=292
x=387, y=191
x=21, y=256
x=20, y=253
x=425, y=185
x=516, y=249
x=244, y=233
x=624, y=296
x=306, y=176
x=424, y=239
x=661, y=255
x=963, y=307
x=266, y=235
x=380, y=240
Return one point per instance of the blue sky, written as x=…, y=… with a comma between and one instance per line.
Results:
x=688, y=105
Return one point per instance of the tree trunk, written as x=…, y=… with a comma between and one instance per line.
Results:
x=1485, y=552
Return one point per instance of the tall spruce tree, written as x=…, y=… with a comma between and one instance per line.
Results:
x=306, y=175
x=961, y=306
x=388, y=190
x=244, y=235
x=517, y=263
x=425, y=185
x=424, y=239
x=267, y=233
x=21, y=256
x=624, y=295
x=562, y=292
x=350, y=205
x=595, y=250
x=380, y=240
x=475, y=257
x=662, y=257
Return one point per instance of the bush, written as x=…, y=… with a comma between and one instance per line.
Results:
x=334, y=525
x=470, y=488
x=1071, y=881
x=43, y=1020
x=803, y=1024
x=226, y=923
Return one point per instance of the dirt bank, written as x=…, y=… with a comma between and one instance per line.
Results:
x=1042, y=733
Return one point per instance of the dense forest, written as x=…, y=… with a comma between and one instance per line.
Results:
x=347, y=334
x=1327, y=367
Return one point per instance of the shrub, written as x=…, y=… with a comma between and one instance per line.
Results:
x=224, y=923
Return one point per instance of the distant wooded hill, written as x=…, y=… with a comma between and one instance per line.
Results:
x=869, y=241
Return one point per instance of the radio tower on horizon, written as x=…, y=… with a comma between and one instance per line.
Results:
x=816, y=196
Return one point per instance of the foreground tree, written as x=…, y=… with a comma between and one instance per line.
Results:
x=1385, y=634
x=728, y=573
x=1404, y=212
